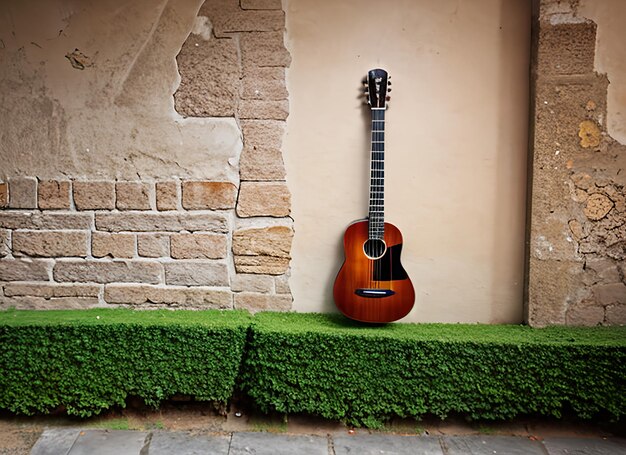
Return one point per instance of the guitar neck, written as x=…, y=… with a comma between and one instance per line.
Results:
x=377, y=176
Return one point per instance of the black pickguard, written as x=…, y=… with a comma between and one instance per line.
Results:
x=388, y=267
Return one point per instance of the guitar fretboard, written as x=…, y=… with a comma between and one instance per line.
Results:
x=377, y=176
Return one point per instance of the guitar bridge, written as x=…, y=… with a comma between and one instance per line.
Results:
x=374, y=293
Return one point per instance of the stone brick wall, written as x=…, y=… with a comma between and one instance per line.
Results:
x=80, y=243
x=577, y=227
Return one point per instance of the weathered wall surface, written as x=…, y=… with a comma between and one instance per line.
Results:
x=578, y=217
x=456, y=146
x=141, y=154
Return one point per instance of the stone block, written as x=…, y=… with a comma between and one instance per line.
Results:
x=262, y=158
x=28, y=220
x=166, y=221
x=269, y=265
x=209, y=195
x=615, y=315
x=263, y=50
x=551, y=285
x=209, y=77
x=132, y=196
x=606, y=294
x=267, y=241
x=566, y=49
x=196, y=273
x=281, y=284
x=195, y=297
x=167, y=195
x=262, y=134
x=24, y=270
x=4, y=195
x=585, y=314
x=199, y=246
x=264, y=83
x=261, y=4
x=114, y=245
x=5, y=242
x=94, y=195
x=23, y=193
x=153, y=245
x=262, y=164
x=48, y=291
x=249, y=282
x=108, y=271
x=54, y=194
x=605, y=270
x=264, y=199
x=262, y=109
x=254, y=302
x=51, y=243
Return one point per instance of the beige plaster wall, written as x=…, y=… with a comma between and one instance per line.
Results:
x=610, y=17
x=114, y=117
x=456, y=142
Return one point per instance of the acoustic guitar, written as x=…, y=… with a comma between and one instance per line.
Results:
x=372, y=286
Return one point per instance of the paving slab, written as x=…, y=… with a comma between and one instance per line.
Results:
x=585, y=446
x=490, y=445
x=275, y=444
x=168, y=443
x=55, y=441
x=379, y=444
x=109, y=442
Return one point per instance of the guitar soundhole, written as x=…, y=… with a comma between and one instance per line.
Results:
x=374, y=248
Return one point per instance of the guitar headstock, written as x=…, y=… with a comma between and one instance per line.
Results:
x=377, y=88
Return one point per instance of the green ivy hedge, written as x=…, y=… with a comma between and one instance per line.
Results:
x=90, y=360
x=329, y=366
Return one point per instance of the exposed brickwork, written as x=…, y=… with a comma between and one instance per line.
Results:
x=577, y=212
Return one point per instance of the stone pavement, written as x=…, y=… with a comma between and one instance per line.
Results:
x=119, y=442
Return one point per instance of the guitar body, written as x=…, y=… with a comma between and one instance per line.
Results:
x=376, y=290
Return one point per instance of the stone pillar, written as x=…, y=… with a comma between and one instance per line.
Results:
x=577, y=215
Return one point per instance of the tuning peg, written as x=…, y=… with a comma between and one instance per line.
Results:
x=388, y=82
x=388, y=89
x=387, y=98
